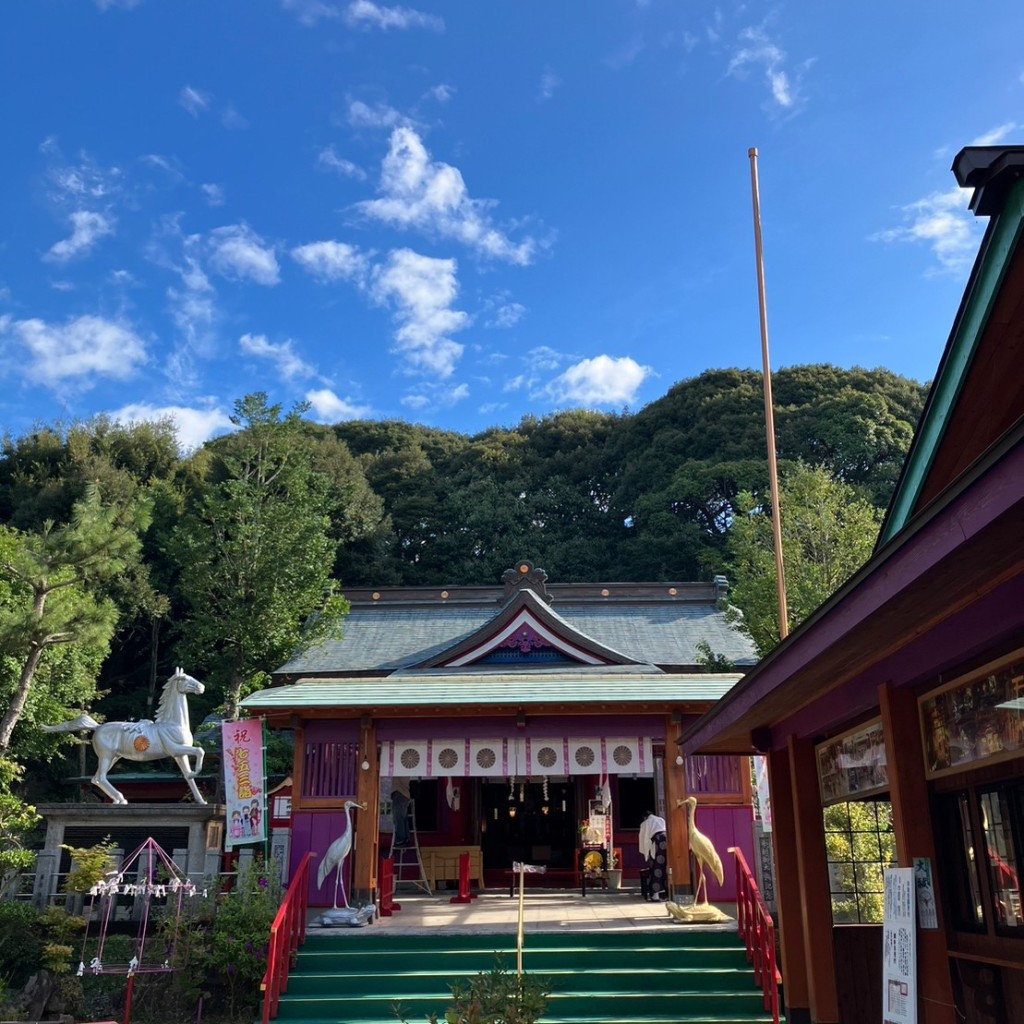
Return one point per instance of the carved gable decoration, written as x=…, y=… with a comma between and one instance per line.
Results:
x=525, y=577
x=527, y=631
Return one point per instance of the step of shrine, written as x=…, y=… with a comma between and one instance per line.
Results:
x=595, y=977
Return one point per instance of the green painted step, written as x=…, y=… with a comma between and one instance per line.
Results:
x=661, y=977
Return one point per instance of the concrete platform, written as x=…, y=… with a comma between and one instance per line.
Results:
x=546, y=910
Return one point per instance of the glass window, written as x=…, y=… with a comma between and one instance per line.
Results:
x=1001, y=822
x=860, y=845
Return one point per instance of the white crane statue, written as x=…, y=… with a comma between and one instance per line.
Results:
x=334, y=859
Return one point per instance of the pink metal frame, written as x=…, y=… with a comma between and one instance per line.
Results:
x=287, y=933
x=757, y=930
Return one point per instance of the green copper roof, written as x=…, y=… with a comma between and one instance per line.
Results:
x=983, y=291
x=482, y=689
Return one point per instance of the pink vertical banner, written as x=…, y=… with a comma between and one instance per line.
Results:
x=244, y=784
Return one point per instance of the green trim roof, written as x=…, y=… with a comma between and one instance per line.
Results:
x=484, y=689
x=990, y=269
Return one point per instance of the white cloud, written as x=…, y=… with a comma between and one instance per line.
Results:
x=62, y=286
x=549, y=82
x=239, y=254
x=328, y=159
x=941, y=220
x=191, y=426
x=757, y=49
x=331, y=261
x=231, y=118
x=422, y=290
x=289, y=364
x=419, y=193
x=124, y=5
x=194, y=100
x=362, y=115
x=81, y=349
x=600, y=381
x=507, y=315
x=442, y=93
x=329, y=408
x=309, y=12
x=214, y=194
x=87, y=228
x=434, y=395
x=996, y=135
x=365, y=14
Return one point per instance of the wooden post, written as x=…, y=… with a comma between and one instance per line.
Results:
x=812, y=863
x=787, y=889
x=675, y=818
x=298, y=763
x=915, y=837
x=363, y=880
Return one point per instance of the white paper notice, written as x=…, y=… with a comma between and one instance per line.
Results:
x=899, y=948
x=927, y=916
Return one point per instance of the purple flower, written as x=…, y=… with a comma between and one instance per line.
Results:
x=231, y=968
x=262, y=883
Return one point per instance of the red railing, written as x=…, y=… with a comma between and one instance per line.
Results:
x=287, y=933
x=757, y=930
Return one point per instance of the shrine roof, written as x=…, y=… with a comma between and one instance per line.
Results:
x=631, y=686
x=652, y=624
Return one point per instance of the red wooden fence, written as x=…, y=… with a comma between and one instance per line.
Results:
x=287, y=933
x=757, y=930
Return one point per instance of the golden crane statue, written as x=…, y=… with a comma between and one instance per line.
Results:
x=706, y=856
x=703, y=850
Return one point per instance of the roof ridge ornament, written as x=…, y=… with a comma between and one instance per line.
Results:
x=525, y=577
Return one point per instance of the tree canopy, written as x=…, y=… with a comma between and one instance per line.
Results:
x=238, y=553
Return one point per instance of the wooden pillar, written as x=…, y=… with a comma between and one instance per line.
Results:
x=915, y=837
x=364, y=873
x=298, y=762
x=812, y=864
x=788, y=893
x=675, y=818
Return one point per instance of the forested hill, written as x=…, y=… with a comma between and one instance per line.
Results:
x=631, y=496
x=120, y=558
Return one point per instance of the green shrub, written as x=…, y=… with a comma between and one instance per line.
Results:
x=495, y=997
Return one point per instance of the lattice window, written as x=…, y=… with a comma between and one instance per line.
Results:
x=860, y=845
x=715, y=774
x=330, y=770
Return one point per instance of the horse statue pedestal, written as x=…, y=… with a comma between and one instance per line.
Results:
x=192, y=833
x=696, y=913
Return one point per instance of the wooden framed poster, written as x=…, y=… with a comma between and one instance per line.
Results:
x=977, y=717
x=853, y=764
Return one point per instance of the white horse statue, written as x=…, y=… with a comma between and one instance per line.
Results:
x=169, y=736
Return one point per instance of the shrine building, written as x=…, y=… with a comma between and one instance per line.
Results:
x=503, y=708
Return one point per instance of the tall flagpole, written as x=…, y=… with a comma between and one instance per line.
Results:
x=769, y=414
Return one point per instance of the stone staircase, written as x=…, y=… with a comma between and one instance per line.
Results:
x=656, y=977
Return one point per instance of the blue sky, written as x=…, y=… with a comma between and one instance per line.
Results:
x=463, y=213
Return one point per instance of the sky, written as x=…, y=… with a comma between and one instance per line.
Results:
x=461, y=214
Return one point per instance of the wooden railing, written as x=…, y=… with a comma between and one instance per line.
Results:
x=757, y=930
x=287, y=933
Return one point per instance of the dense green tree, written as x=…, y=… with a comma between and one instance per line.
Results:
x=53, y=581
x=828, y=532
x=254, y=551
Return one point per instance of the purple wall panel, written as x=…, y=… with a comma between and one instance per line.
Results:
x=725, y=827
x=316, y=831
x=333, y=730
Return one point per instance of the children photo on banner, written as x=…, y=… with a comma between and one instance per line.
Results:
x=245, y=788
